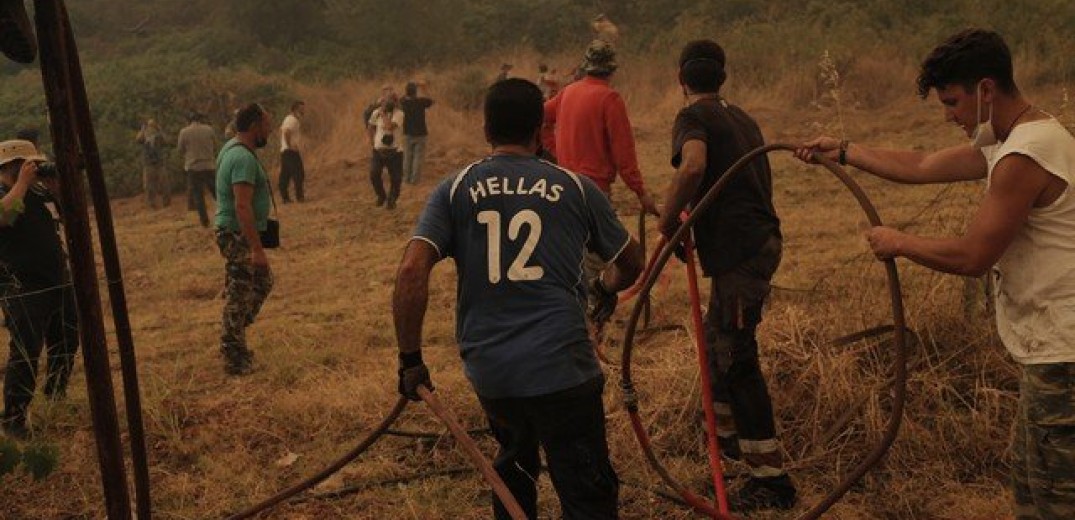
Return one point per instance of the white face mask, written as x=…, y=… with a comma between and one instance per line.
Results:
x=983, y=134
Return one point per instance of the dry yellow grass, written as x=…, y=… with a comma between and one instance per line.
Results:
x=326, y=354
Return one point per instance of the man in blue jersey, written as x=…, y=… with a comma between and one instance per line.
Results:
x=518, y=228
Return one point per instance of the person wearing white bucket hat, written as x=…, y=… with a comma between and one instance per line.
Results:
x=35, y=291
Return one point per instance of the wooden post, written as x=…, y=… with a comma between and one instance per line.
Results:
x=57, y=82
x=117, y=296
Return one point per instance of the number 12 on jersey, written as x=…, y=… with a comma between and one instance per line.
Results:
x=518, y=271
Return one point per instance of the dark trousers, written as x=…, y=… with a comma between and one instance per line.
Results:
x=570, y=427
x=393, y=161
x=741, y=397
x=36, y=318
x=292, y=170
x=199, y=181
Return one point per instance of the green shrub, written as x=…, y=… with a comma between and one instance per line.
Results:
x=466, y=88
x=39, y=459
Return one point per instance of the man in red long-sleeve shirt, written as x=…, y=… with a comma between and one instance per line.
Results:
x=587, y=129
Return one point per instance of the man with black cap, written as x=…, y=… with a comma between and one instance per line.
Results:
x=739, y=245
x=35, y=291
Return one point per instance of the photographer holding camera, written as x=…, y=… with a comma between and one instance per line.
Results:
x=35, y=294
x=383, y=124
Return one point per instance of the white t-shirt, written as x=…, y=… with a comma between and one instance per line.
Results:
x=1035, y=289
x=381, y=124
x=292, y=124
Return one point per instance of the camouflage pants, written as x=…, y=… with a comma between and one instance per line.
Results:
x=245, y=290
x=1043, y=472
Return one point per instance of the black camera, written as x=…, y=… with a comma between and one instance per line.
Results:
x=46, y=170
x=388, y=139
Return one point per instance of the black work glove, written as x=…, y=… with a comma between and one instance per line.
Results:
x=412, y=374
x=604, y=302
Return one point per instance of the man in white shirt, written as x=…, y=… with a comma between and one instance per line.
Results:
x=385, y=131
x=291, y=148
x=1023, y=231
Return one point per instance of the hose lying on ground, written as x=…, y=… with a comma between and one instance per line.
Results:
x=382, y=429
x=330, y=469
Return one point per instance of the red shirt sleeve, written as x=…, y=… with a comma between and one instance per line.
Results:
x=622, y=142
x=548, y=126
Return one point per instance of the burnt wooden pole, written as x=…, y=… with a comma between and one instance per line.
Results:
x=57, y=81
x=117, y=296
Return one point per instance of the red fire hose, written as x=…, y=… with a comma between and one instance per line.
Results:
x=707, y=391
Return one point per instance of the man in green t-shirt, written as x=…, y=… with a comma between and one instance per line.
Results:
x=243, y=204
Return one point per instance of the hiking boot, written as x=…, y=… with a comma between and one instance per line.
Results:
x=239, y=367
x=763, y=493
x=238, y=361
x=380, y=202
x=729, y=448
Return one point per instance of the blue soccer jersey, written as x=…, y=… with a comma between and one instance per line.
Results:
x=518, y=228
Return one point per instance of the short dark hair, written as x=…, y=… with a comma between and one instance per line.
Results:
x=297, y=104
x=965, y=59
x=248, y=116
x=514, y=109
x=411, y=89
x=701, y=66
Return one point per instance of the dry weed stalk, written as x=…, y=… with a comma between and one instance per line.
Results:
x=830, y=75
x=1065, y=106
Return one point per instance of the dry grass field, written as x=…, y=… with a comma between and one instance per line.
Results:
x=325, y=349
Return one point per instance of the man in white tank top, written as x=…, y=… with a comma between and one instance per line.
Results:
x=1023, y=230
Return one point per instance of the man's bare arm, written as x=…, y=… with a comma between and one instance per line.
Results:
x=1017, y=184
x=685, y=184
x=411, y=295
x=625, y=269
x=954, y=164
x=244, y=212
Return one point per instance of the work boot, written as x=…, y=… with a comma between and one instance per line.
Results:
x=238, y=361
x=240, y=367
x=729, y=448
x=763, y=493
x=17, y=40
